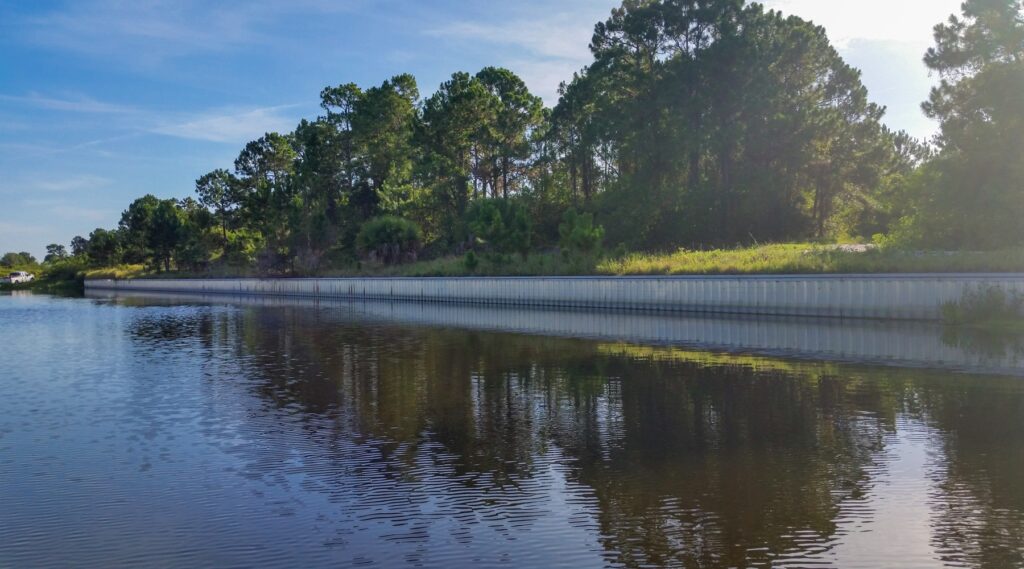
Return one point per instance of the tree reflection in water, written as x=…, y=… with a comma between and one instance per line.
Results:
x=674, y=457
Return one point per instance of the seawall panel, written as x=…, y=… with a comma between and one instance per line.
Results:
x=904, y=297
x=897, y=343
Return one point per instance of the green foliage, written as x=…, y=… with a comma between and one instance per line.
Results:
x=389, y=240
x=133, y=230
x=984, y=305
x=451, y=130
x=805, y=258
x=159, y=232
x=241, y=248
x=195, y=241
x=716, y=122
x=382, y=127
x=794, y=258
x=104, y=247
x=12, y=259
x=579, y=235
x=972, y=194
x=65, y=270
x=878, y=210
x=219, y=191
x=55, y=252
x=502, y=227
x=471, y=262
x=79, y=245
x=116, y=272
x=506, y=147
x=265, y=172
x=164, y=233
x=61, y=276
x=697, y=124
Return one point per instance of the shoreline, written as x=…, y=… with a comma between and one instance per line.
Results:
x=890, y=343
x=884, y=296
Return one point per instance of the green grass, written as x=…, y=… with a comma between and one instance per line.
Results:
x=799, y=258
x=117, y=272
x=794, y=258
x=809, y=259
x=988, y=321
x=121, y=272
x=990, y=307
x=538, y=264
x=53, y=279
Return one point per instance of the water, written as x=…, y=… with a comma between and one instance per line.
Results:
x=186, y=433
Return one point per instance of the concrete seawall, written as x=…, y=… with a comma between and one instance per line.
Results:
x=900, y=297
x=900, y=343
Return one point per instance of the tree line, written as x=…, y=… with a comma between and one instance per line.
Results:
x=698, y=123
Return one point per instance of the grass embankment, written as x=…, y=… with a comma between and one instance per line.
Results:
x=800, y=258
x=812, y=259
x=121, y=272
x=990, y=310
x=765, y=259
x=50, y=280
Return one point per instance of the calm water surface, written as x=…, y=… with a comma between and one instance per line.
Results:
x=148, y=433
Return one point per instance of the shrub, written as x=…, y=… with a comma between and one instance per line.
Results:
x=65, y=269
x=502, y=226
x=12, y=260
x=984, y=305
x=579, y=236
x=471, y=262
x=389, y=239
x=241, y=248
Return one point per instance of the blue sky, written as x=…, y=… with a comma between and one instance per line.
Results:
x=102, y=101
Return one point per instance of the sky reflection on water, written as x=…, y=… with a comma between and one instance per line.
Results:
x=135, y=432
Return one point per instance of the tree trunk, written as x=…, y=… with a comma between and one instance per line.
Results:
x=573, y=182
x=504, y=176
x=725, y=191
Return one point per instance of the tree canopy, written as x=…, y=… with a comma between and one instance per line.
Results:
x=972, y=193
x=697, y=123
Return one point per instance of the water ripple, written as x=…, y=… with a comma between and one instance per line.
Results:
x=141, y=433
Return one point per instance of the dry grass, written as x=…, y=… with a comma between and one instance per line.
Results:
x=803, y=258
x=142, y=272
x=118, y=272
x=795, y=258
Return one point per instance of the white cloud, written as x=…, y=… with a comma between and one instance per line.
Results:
x=561, y=36
x=70, y=213
x=900, y=21
x=143, y=29
x=61, y=209
x=543, y=77
x=230, y=125
x=47, y=184
x=548, y=48
x=73, y=183
x=9, y=229
x=79, y=104
x=886, y=39
x=147, y=32
x=544, y=48
x=73, y=104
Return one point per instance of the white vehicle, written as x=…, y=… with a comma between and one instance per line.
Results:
x=20, y=277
